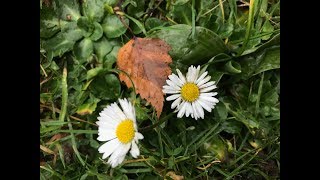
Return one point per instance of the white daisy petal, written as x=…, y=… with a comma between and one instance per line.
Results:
x=195, y=112
x=109, y=147
x=182, y=110
x=106, y=135
x=174, y=78
x=197, y=71
x=176, y=102
x=209, y=94
x=199, y=109
x=203, y=81
x=210, y=83
x=117, y=157
x=170, y=91
x=201, y=77
x=189, y=109
x=127, y=108
x=207, y=89
x=106, y=124
x=173, y=97
x=138, y=136
x=169, y=88
x=205, y=105
x=181, y=76
x=109, y=115
x=210, y=99
x=119, y=112
x=135, y=152
x=171, y=84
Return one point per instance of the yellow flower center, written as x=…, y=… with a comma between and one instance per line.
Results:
x=125, y=131
x=190, y=92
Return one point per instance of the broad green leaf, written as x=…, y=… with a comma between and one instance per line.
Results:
x=97, y=33
x=111, y=2
x=139, y=27
x=153, y=22
x=71, y=31
x=225, y=30
x=93, y=9
x=181, y=14
x=111, y=58
x=68, y=10
x=137, y=10
x=220, y=111
x=267, y=28
x=179, y=2
x=275, y=40
x=232, y=126
x=49, y=23
x=101, y=48
x=86, y=26
x=106, y=87
x=83, y=49
x=57, y=46
x=186, y=50
x=89, y=107
x=94, y=72
x=232, y=67
x=217, y=147
x=269, y=60
x=113, y=27
x=260, y=61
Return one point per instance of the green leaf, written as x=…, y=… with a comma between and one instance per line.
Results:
x=72, y=32
x=231, y=126
x=113, y=27
x=57, y=46
x=153, y=22
x=106, y=87
x=220, y=111
x=97, y=33
x=83, y=49
x=101, y=48
x=86, y=26
x=225, y=30
x=232, y=67
x=138, y=24
x=94, y=72
x=181, y=14
x=180, y=2
x=137, y=10
x=93, y=9
x=49, y=23
x=217, y=147
x=68, y=10
x=186, y=50
x=111, y=58
x=261, y=61
x=89, y=107
x=267, y=28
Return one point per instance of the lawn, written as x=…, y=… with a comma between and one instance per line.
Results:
x=95, y=53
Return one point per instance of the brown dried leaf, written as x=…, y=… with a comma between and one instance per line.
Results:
x=174, y=176
x=146, y=61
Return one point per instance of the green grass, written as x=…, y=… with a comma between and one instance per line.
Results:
x=237, y=42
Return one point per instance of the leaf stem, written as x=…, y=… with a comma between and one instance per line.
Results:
x=64, y=86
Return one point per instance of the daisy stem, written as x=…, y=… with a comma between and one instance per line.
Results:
x=118, y=71
x=156, y=124
x=74, y=144
x=64, y=86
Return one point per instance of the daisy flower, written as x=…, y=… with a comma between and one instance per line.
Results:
x=119, y=128
x=191, y=94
